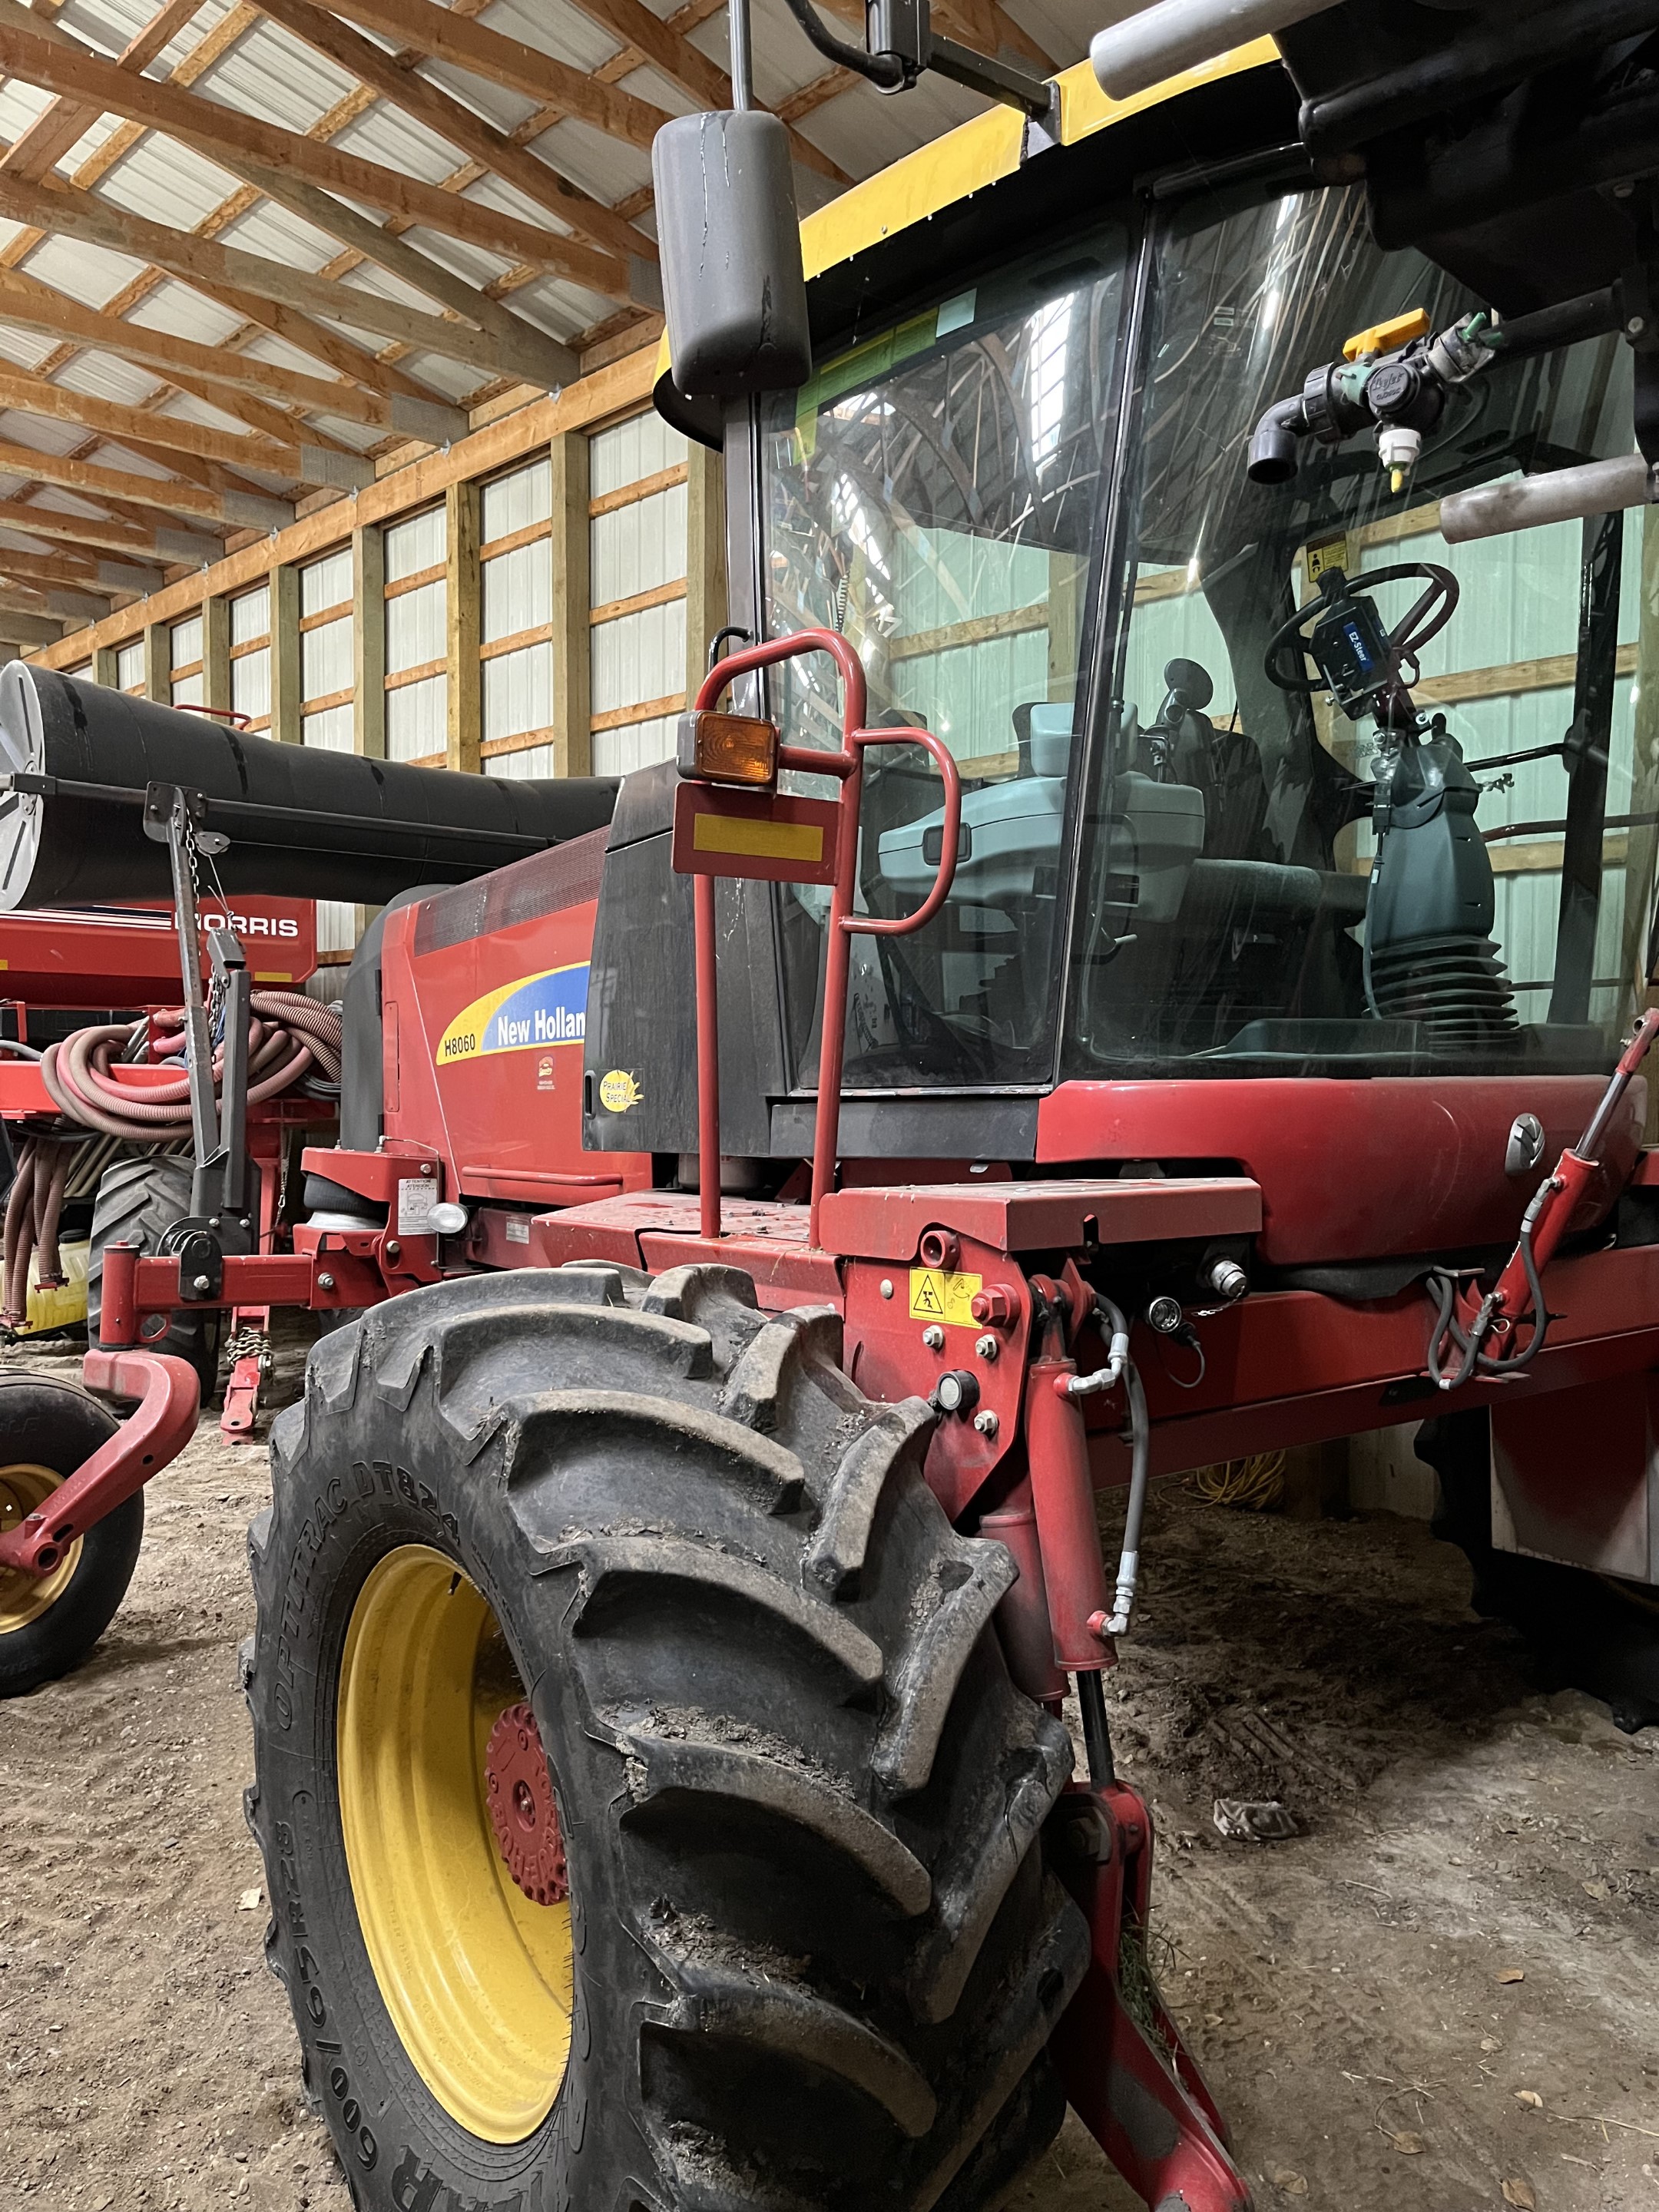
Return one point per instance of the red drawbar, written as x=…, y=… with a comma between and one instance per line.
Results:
x=1126, y=2073
x=169, y=1397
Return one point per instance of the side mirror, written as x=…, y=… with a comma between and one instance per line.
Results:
x=733, y=282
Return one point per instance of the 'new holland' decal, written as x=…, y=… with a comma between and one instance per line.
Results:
x=527, y=1015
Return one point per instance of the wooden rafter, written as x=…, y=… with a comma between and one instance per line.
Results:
x=78, y=570
x=33, y=306
x=328, y=345
x=818, y=94
x=216, y=130
x=445, y=35
x=682, y=64
x=248, y=281
x=146, y=429
x=71, y=605
x=56, y=128
x=44, y=569
x=469, y=134
x=519, y=348
x=236, y=510
x=147, y=540
x=19, y=625
x=448, y=36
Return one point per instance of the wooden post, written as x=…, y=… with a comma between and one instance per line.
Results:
x=158, y=662
x=215, y=653
x=103, y=666
x=1068, y=575
x=573, y=684
x=368, y=656
x=1642, y=844
x=705, y=559
x=369, y=641
x=286, y=663
x=464, y=590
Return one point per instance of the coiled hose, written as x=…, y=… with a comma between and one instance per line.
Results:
x=291, y=1039
x=289, y=1036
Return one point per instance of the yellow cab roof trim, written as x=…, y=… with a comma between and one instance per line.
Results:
x=981, y=153
x=977, y=154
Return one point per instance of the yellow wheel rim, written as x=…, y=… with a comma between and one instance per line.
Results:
x=24, y=1598
x=476, y=1977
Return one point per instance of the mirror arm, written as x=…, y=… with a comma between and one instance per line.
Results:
x=915, y=47
x=886, y=71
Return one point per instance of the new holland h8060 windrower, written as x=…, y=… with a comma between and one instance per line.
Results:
x=769, y=1208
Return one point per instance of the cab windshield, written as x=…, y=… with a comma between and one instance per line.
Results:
x=936, y=496
x=1046, y=550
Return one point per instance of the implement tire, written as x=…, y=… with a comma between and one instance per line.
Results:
x=138, y=1201
x=48, y=1623
x=812, y=1956
x=1595, y=1631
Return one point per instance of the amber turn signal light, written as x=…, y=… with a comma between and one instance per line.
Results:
x=740, y=749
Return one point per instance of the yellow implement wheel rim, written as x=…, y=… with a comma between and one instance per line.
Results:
x=476, y=1976
x=24, y=1598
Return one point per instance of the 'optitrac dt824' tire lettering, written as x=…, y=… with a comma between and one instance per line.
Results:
x=644, y=1544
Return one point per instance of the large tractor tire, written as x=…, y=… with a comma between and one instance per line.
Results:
x=632, y=1579
x=138, y=1200
x=48, y=1623
x=1595, y=1631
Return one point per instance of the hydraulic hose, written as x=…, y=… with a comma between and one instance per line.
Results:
x=290, y=1037
x=34, y=1208
x=1140, y=1451
x=1449, y=1333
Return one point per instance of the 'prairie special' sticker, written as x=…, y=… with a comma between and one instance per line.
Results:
x=528, y=1015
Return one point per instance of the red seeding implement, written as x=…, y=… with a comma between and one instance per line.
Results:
x=1072, y=1012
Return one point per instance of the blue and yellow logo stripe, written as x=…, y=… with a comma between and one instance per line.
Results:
x=529, y=1015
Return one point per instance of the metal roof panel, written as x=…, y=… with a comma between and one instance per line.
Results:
x=554, y=27
x=86, y=273
x=269, y=74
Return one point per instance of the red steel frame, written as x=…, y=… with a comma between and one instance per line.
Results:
x=1282, y=1367
x=844, y=924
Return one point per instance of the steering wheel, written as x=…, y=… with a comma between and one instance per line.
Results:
x=1288, y=649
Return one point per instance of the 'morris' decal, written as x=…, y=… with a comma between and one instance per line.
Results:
x=526, y=1016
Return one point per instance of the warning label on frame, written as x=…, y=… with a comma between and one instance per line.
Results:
x=937, y=1296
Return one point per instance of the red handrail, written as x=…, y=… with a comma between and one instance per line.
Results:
x=847, y=766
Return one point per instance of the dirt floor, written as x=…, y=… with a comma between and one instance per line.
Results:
x=1439, y=1996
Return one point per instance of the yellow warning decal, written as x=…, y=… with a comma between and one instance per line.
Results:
x=1329, y=553
x=759, y=839
x=936, y=1296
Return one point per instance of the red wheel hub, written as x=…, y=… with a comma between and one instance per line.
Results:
x=521, y=1809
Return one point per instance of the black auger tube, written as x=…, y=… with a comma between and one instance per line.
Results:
x=303, y=823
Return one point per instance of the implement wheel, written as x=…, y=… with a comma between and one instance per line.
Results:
x=647, y=1815
x=138, y=1201
x=48, y=1623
